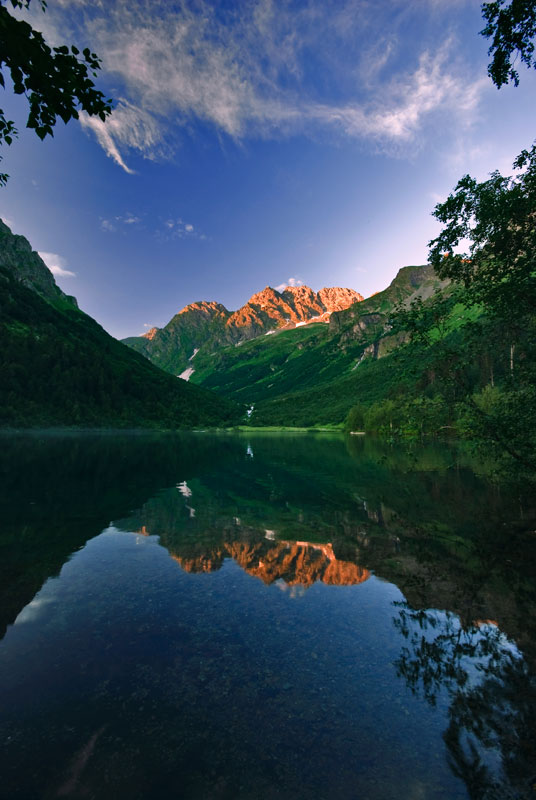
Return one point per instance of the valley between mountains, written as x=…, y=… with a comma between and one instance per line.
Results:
x=296, y=357
x=291, y=358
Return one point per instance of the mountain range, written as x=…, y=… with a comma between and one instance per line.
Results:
x=295, y=358
x=209, y=325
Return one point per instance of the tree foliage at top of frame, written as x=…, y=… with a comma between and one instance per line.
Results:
x=57, y=81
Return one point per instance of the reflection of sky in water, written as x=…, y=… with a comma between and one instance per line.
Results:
x=34, y=610
x=291, y=591
x=124, y=638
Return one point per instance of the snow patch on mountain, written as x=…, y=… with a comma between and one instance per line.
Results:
x=187, y=374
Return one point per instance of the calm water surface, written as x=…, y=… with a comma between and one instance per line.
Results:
x=264, y=616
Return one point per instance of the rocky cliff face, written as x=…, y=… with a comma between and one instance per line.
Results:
x=370, y=319
x=336, y=299
x=28, y=268
x=200, y=312
x=150, y=334
x=211, y=325
x=271, y=310
x=264, y=311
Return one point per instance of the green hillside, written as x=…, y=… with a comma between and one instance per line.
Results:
x=329, y=403
x=172, y=346
x=414, y=377
x=59, y=367
x=272, y=365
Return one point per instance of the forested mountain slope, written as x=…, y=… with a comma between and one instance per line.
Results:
x=59, y=367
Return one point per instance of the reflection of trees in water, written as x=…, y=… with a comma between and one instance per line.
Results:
x=491, y=735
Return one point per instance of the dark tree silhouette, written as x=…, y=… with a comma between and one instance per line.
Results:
x=512, y=29
x=57, y=81
x=497, y=218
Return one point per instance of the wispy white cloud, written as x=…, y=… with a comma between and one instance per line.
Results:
x=130, y=127
x=398, y=114
x=179, y=229
x=114, y=223
x=289, y=282
x=374, y=58
x=105, y=137
x=253, y=71
x=56, y=265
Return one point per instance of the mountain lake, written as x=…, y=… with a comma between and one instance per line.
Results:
x=235, y=615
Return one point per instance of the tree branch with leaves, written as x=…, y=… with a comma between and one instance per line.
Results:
x=57, y=81
x=498, y=220
x=512, y=29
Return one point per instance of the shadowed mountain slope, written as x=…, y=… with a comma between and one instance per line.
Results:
x=59, y=367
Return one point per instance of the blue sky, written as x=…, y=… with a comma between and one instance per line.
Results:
x=256, y=143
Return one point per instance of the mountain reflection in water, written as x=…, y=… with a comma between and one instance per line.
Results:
x=399, y=663
x=295, y=563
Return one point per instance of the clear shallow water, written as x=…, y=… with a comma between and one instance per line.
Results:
x=262, y=617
